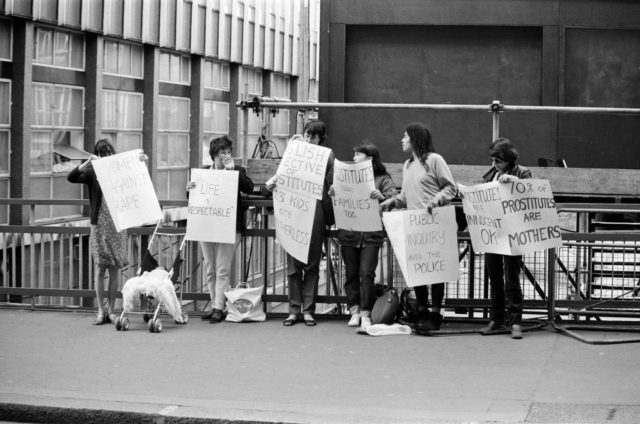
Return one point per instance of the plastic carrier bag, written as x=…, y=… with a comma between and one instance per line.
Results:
x=244, y=304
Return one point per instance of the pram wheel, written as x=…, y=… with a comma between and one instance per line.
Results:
x=147, y=317
x=118, y=324
x=185, y=319
x=155, y=325
x=125, y=324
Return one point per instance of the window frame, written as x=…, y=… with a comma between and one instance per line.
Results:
x=181, y=66
x=7, y=128
x=55, y=30
x=118, y=43
x=10, y=24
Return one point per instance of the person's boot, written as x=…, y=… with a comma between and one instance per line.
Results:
x=434, y=320
x=422, y=325
x=354, y=321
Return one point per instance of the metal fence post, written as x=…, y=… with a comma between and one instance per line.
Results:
x=551, y=283
x=496, y=108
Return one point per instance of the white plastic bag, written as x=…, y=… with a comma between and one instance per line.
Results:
x=244, y=304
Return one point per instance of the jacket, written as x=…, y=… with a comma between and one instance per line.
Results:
x=517, y=170
x=88, y=176
x=350, y=238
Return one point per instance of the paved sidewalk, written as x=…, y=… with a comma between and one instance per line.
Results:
x=57, y=367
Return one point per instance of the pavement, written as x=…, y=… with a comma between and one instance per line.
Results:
x=57, y=367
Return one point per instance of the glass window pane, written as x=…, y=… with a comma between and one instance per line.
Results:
x=130, y=111
x=178, y=179
x=41, y=189
x=4, y=210
x=42, y=110
x=220, y=112
x=109, y=109
x=66, y=138
x=110, y=57
x=178, y=150
x=4, y=152
x=162, y=179
x=179, y=114
x=5, y=39
x=124, y=59
x=63, y=190
x=164, y=112
x=225, y=77
x=40, y=151
x=186, y=69
x=61, y=49
x=208, y=74
x=137, y=61
x=5, y=103
x=128, y=141
x=165, y=67
x=77, y=51
x=207, y=116
x=174, y=71
x=163, y=150
x=45, y=46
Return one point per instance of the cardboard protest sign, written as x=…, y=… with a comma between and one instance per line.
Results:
x=294, y=215
x=513, y=218
x=353, y=207
x=425, y=244
x=211, y=213
x=127, y=189
x=302, y=168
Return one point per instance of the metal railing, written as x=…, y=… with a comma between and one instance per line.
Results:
x=595, y=275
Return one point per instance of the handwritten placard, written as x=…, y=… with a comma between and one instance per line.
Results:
x=302, y=168
x=513, y=218
x=211, y=213
x=352, y=203
x=127, y=189
x=425, y=244
x=294, y=215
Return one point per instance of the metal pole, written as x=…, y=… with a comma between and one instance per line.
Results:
x=245, y=137
x=496, y=108
x=551, y=283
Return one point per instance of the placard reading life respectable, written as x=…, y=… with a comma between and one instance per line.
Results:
x=211, y=213
x=425, y=244
x=513, y=218
x=294, y=215
x=302, y=168
x=127, y=189
x=353, y=206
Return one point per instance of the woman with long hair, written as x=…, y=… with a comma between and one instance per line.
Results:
x=426, y=184
x=107, y=246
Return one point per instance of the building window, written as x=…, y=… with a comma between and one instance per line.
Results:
x=281, y=90
x=122, y=119
x=56, y=146
x=123, y=59
x=5, y=39
x=251, y=85
x=216, y=75
x=173, y=147
x=175, y=68
x=216, y=124
x=61, y=49
x=5, y=143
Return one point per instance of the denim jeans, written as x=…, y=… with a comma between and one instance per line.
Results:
x=219, y=262
x=360, y=264
x=504, y=277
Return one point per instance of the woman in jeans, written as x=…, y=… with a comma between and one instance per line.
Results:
x=360, y=249
x=504, y=271
x=426, y=184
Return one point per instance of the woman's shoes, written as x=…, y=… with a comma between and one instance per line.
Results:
x=290, y=321
x=101, y=318
x=309, y=321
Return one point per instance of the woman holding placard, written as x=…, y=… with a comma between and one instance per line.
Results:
x=108, y=246
x=303, y=277
x=504, y=271
x=360, y=249
x=219, y=258
x=427, y=183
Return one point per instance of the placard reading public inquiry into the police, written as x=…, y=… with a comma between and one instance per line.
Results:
x=127, y=189
x=294, y=215
x=302, y=168
x=425, y=244
x=353, y=206
x=211, y=212
x=511, y=218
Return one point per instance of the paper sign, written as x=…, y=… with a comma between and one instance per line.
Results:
x=513, y=218
x=302, y=168
x=352, y=203
x=425, y=244
x=294, y=215
x=211, y=213
x=127, y=190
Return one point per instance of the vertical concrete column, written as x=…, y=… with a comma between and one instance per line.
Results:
x=150, y=105
x=94, y=69
x=22, y=105
x=196, y=124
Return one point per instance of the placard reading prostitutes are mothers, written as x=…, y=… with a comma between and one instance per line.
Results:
x=512, y=218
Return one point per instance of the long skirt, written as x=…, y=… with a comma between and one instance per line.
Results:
x=107, y=246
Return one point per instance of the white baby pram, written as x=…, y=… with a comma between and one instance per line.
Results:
x=156, y=285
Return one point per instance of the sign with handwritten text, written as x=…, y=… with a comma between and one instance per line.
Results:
x=425, y=244
x=127, y=189
x=211, y=213
x=512, y=218
x=294, y=215
x=302, y=168
x=352, y=203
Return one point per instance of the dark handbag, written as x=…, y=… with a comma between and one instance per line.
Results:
x=386, y=308
x=408, y=307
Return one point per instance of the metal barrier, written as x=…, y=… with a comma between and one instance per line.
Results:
x=594, y=276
